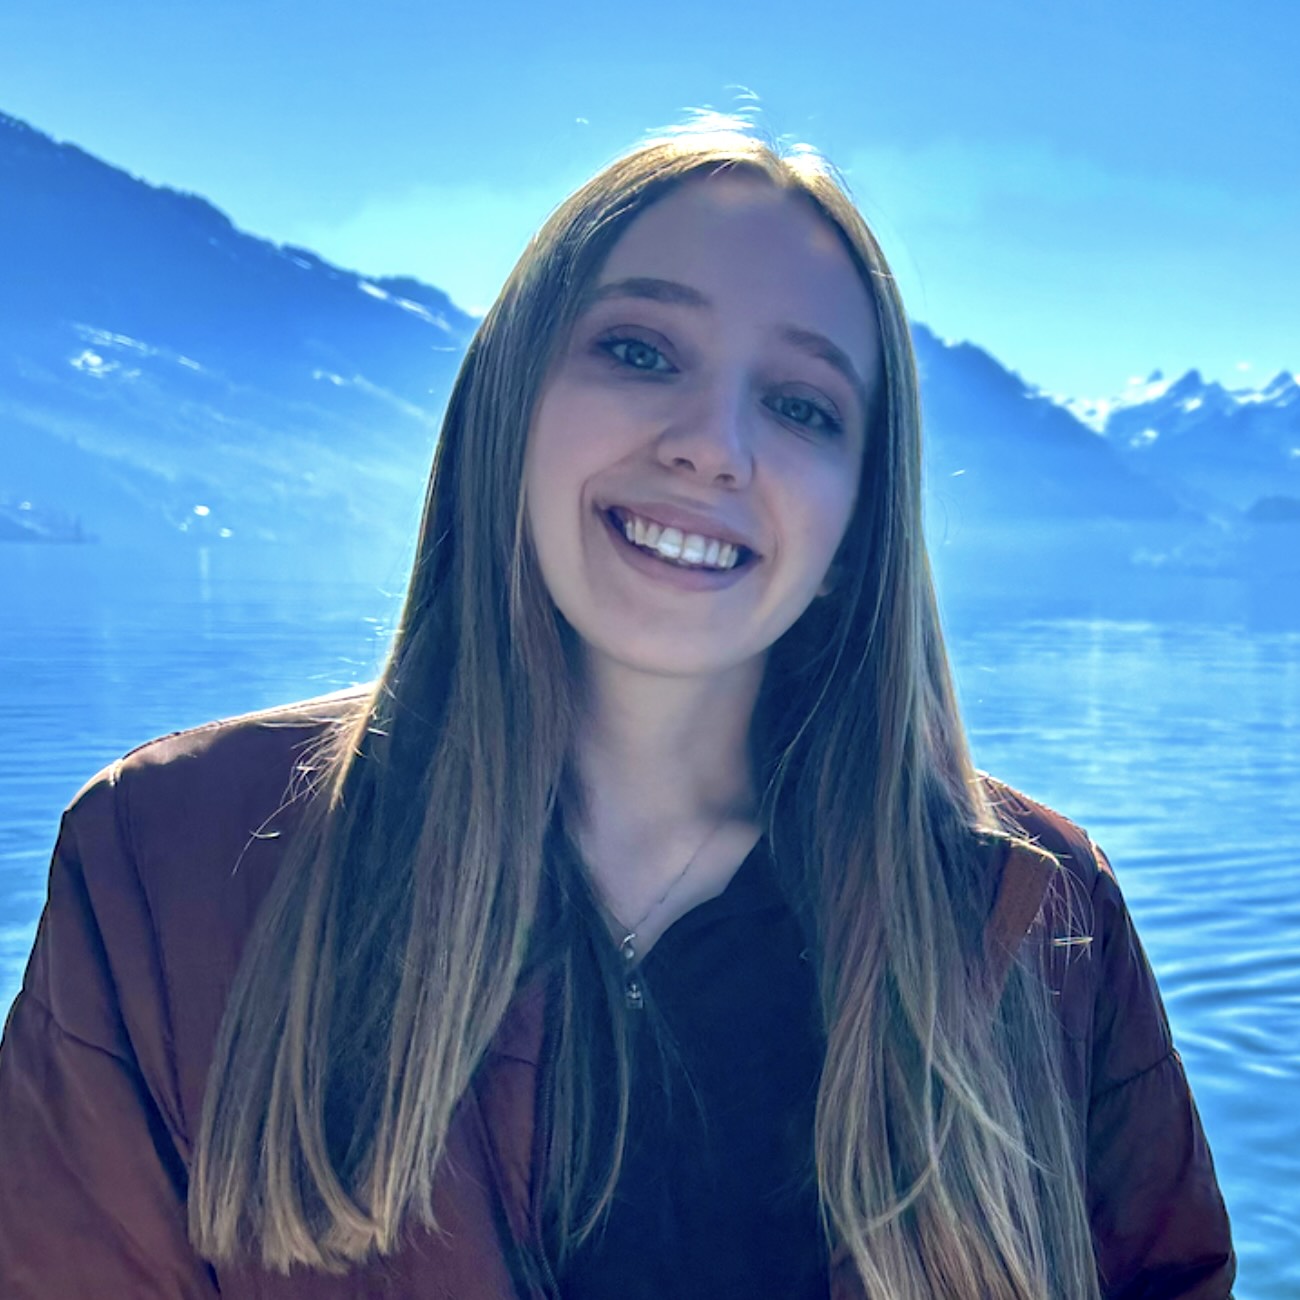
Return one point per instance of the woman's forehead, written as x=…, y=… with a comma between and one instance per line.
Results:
x=738, y=239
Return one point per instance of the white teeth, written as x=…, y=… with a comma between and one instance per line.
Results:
x=685, y=549
x=693, y=549
x=669, y=544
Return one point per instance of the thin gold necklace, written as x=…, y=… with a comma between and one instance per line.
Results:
x=632, y=986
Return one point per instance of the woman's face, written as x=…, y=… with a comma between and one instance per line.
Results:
x=717, y=383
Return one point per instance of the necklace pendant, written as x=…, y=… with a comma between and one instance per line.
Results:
x=635, y=999
x=626, y=948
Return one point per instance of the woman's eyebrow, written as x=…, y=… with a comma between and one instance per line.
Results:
x=672, y=291
x=819, y=346
x=644, y=286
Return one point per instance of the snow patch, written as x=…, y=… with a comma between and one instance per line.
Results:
x=420, y=310
x=1092, y=412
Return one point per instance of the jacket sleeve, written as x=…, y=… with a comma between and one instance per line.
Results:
x=92, y=1161
x=1159, y=1222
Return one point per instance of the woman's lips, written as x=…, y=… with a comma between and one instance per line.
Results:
x=682, y=577
x=685, y=521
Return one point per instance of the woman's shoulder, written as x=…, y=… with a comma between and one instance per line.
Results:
x=1064, y=895
x=1083, y=908
x=197, y=821
x=200, y=788
x=196, y=802
x=1095, y=960
x=1043, y=829
x=185, y=782
x=162, y=863
x=1156, y=1203
x=242, y=747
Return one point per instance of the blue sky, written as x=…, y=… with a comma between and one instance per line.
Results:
x=1090, y=190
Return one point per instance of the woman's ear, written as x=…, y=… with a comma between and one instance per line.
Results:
x=830, y=581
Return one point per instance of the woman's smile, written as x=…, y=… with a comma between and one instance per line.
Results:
x=694, y=458
x=661, y=568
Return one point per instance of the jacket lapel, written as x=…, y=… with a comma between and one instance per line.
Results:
x=1026, y=873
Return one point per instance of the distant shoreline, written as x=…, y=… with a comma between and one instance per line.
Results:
x=23, y=523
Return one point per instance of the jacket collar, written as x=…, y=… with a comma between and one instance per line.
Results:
x=1024, y=875
x=507, y=1088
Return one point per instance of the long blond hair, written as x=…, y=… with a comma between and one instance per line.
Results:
x=395, y=936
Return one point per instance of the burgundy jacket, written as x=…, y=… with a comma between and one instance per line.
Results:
x=160, y=866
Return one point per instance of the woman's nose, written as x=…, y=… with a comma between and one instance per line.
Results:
x=711, y=437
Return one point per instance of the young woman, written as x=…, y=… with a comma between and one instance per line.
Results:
x=645, y=930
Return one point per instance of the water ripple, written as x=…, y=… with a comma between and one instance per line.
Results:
x=1177, y=745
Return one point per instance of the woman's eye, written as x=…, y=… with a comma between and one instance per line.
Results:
x=637, y=354
x=810, y=414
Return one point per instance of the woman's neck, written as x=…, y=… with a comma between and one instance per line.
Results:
x=665, y=768
x=666, y=751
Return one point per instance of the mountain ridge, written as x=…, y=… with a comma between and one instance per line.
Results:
x=166, y=375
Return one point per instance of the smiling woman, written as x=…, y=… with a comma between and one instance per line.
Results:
x=689, y=398
x=645, y=930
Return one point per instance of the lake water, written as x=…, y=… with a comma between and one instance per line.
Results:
x=1175, y=740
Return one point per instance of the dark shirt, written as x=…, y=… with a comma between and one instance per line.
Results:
x=718, y=1193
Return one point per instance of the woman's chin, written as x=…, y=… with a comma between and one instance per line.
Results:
x=659, y=652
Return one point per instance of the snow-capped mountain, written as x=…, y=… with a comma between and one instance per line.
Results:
x=1220, y=449
x=166, y=377
x=162, y=372
x=998, y=445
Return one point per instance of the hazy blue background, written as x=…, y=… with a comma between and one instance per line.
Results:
x=1090, y=190
x=1087, y=193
